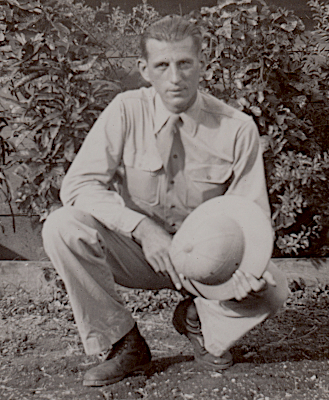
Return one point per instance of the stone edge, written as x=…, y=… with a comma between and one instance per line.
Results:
x=38, y=278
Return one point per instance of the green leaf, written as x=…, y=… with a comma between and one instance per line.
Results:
x=290, y=24
x=69, y=151
x=83, y=66
x=53, y=130
x=225, y=30
x=61, y=29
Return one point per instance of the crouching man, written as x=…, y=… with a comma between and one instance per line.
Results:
x=179, y=148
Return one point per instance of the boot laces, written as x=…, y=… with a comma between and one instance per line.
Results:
x=115, y=350
x=194, y=329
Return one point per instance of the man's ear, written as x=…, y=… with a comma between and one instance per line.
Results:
x=143, y=69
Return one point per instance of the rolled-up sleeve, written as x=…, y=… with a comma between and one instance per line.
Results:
x=249, y=177
x=87, y=182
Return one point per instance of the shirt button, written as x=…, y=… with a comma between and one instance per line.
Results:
x=172, y=206
x=208, y=177
x=172, y=182
x=175, y=155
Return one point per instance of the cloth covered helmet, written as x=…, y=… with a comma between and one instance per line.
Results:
x=220, y=236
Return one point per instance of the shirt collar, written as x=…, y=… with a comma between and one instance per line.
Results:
x=161, y=113
x=190, y=117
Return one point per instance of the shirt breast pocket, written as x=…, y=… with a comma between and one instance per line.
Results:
x=206, y=182
x=143, y=186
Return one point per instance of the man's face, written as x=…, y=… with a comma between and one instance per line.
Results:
x=173, y=69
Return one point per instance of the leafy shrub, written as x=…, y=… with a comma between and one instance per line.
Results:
x=262, y=62
x=58, y=74
x=56, y=80
x=60, y=66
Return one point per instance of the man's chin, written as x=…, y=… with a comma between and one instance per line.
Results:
x=177, y=105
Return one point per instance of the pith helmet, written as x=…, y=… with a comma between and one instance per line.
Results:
x=220, y=236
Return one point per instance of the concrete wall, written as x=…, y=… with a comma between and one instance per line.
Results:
x=39, y=278
x=23, y=243
x=20, y=235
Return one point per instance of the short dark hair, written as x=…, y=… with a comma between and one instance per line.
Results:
x=172, y=28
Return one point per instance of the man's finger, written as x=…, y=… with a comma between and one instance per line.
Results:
x=243, y=281
x=256, y=284
x=154, y=264
x=239, y=290
x=173, y=274
x=269, y=278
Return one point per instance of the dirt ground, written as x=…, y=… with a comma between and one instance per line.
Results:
x=286, y=357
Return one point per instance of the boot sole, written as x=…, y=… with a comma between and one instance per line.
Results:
x=140, y=369
x=213, y=367
x=181, y=329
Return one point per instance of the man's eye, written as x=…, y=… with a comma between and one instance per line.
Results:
x=162, y=66
x=185, y=64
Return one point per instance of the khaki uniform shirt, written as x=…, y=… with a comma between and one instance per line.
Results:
x=222, y=156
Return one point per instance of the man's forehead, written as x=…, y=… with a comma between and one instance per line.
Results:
x=158, y=47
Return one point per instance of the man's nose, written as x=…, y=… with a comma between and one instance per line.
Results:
x=175, y=75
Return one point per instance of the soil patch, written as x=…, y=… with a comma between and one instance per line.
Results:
x=284, y=358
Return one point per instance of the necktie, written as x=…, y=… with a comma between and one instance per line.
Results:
x=165, y=139
x=172, y=152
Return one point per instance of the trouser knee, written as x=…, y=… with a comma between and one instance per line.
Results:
x=56, y=224
x=68, y=225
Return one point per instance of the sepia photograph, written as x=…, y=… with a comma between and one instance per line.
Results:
x=164, y=199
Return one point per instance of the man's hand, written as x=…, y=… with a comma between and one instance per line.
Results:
x=155, y=242
x=244, y=283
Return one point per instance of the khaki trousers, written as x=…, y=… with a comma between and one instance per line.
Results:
x=91, y=258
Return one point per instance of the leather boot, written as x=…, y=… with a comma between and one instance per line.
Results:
x=129, y=354
x=186, y=322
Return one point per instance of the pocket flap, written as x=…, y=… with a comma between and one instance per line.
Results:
x=147, y=162
x=210, y=173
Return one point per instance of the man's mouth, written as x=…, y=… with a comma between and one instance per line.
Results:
x=178, y=90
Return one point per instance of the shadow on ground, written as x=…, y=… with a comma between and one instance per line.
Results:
x=285, y=357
